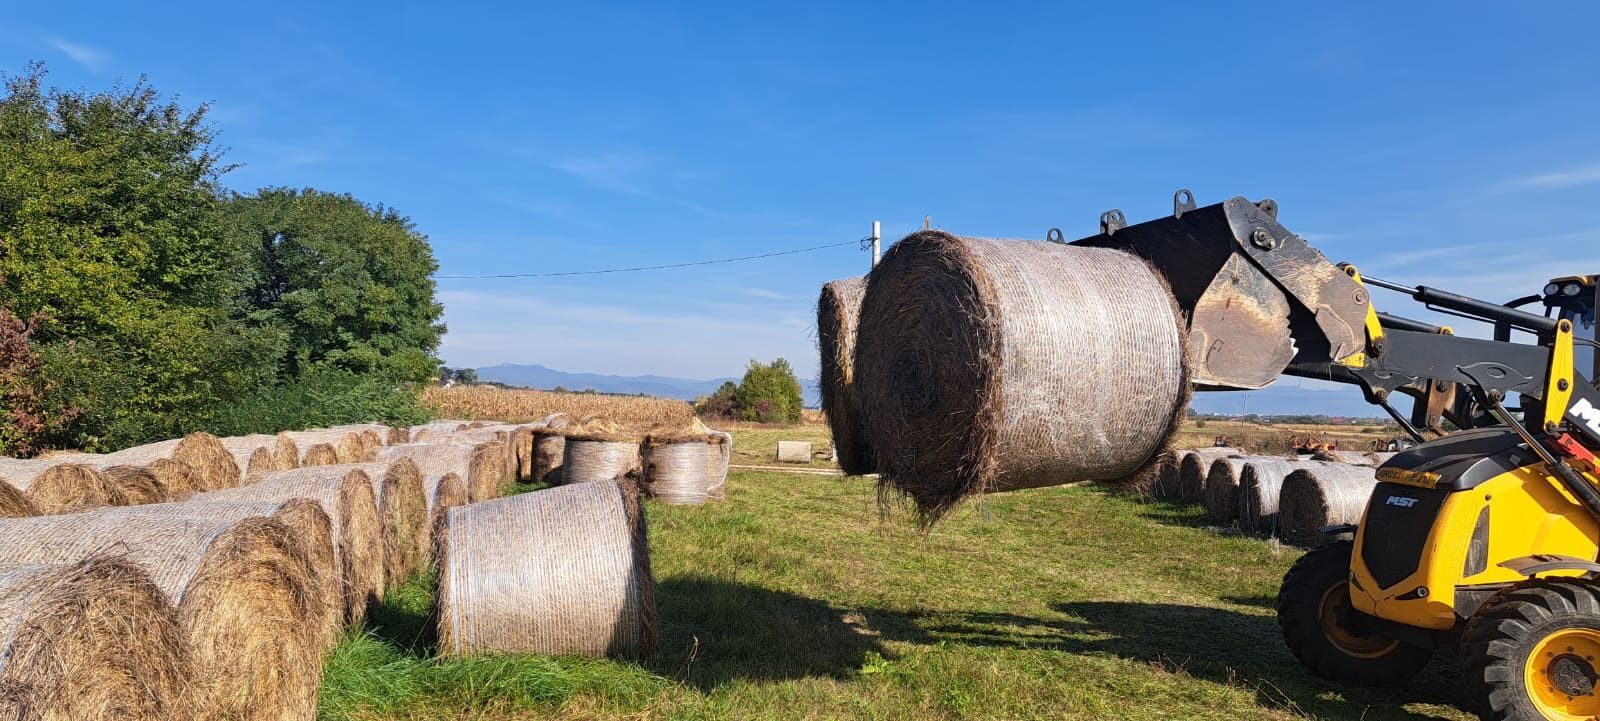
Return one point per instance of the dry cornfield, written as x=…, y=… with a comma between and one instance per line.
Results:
x=634, y=413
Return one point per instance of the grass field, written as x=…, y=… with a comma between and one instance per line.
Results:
x=794, y=599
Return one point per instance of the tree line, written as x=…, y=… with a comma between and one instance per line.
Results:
x=141, y=299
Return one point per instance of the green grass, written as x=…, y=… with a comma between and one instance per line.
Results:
x=794, y=599
x=756, y=445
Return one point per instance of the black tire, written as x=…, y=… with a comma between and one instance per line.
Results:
x=1550, y=628
x=1311, y=604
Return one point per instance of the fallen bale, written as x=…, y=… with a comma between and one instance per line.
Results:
x=92, y=639
x=988, y=365
x=559, y=571
x=251, y=619
x=838, y=312
x=53, y=486
x=1326, y=495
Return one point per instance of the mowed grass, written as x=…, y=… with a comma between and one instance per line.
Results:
x=795, y=599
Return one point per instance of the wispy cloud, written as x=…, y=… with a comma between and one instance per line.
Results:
x=611, y=171
x=1560, y=179
x=764, y=293
x=91, y=58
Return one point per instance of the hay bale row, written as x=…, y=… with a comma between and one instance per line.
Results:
x=90, y=639
x=987, y=365
x=330, y=446
x=212, y=465
x=559, y=571
x=252, y=620
x=1193, y=466
x=402, y=514
x=260, y=452
x=838, y=313
x=1325, y=495
x=480, y=466
x=36, y=486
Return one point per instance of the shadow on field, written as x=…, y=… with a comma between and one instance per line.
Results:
x=714, y=631
x=1215, y=644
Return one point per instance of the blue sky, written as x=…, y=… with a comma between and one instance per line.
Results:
x=1443, y=143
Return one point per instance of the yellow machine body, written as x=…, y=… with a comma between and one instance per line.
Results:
x=1461, y=540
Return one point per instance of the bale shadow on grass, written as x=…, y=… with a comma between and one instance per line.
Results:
x=1218, y=645
x=713, y=631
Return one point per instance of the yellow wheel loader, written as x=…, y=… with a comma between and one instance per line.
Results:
x=1486, y=538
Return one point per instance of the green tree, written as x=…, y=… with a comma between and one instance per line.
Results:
x=769, y=393
x=349, y=283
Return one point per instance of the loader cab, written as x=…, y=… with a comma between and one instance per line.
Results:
x=1574, y=298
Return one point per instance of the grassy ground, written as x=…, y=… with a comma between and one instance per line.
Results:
x=794, y=599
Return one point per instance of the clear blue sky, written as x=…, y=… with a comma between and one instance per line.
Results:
x=1448, y=143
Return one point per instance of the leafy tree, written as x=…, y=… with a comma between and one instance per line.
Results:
x=769, y=393
x=350, y=283
x=29, y=412
x=721, y=403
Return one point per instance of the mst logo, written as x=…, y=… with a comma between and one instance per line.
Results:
x=1401, y=501
x=1586, y=414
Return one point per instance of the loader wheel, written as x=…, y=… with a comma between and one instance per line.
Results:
x=1312, y=606
x=1535, y=654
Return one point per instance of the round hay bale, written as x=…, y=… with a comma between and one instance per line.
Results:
x=348, y=446
x=137, y=485
x=1259, y=487
x=1325, y=495
x=522, y=442
x=90, y=640
x=559, y=571
x=259, y=452
x=838, y=311
x=14, y=503
x=681, y=469
x=53, y=486
x=504, y=467
x=403, y=513
x=320, y=454
x=1192, y=469
x=308, y=526
x=549, y=447
x=589, y=458
x=249, y=615
x=1220, y=495
x=156, y=481
x=988, y=365
x=346, y=495
x=479, y=465
x=214, y=467
x=1163, y=482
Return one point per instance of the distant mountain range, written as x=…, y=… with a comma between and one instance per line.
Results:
x=538, y=376
x=1288, y=397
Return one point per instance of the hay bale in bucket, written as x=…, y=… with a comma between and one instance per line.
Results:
x=346, y=495
x=838, y=312
x=578, y=582
x=93, y=639
x=213, y=465
x=1259, y=487
x=1192, y=469
x=1327, y=495
x=681, y=468
x=249, y=615
x=1220, y=495
x=53, y=486
x=987, y=365
x=479, y=465
x=591, y=457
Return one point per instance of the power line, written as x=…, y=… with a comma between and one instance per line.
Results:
x=646, y=267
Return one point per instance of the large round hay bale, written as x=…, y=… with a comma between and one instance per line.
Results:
x=260, y=452
x=1259, y=487
x=308, y=526
x=403, y=514
x=499, y=438
x=348, y=446
x=987, y=365
x=319, y=454
x=838, y=311
x=598, y=457
x=14, y=503
x=53, y=486
x=1327, y=495
x=479, y=465
x=559, y=571
x=681, y=468
x=1193, y=467
x=93, y=639
x=346, y=495
x=1163, y=481
x=137, y=484
x=176, y=478
x=213, y=465
x=249, y=615
x=1358, y=458
x=1220, y=495
x=549, y=448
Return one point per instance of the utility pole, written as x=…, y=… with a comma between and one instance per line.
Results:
x=927, y=222
x=876, y=236
x=1246, y=416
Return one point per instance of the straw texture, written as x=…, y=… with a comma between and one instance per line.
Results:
x=89, y=640
x=250, y=617
x=403, y=513
x=348, y=446
x=214, y=467
x=1192, y=469
x=480, y=466
x=1259, y=487
x=1220, y=496
x=577, y=582
x=987, y=365
x=838, y=312
x=1327, y=495
x=595, y=458
x=53, y=486
x=549, y=448
x=260, y=452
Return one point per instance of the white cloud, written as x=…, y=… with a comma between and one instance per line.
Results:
x=610, y=171
x=1560, y=179
x=764, y=293
x=91, y=58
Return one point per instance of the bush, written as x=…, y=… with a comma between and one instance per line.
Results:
x=31, y=411
x=322, y=397
x=769, y=393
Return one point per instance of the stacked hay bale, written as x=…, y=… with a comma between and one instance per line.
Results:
x=212, y=465
x=987, y=365
x=582, y=584
x=549, y=447
x=683, y=467
x=346, y=495
x=1326, y=495
x=253, y=622
x=53, y=486
x=92, y=639
x=1192, y=469
x=838, y=313
x=598, y=450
